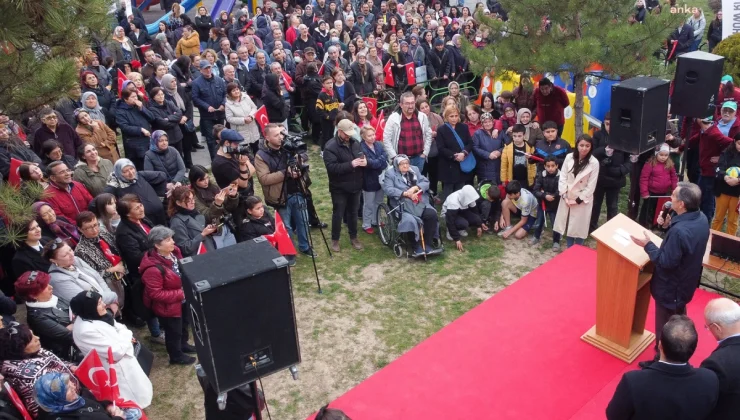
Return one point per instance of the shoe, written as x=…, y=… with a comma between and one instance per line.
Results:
x=309, y=252
x=449, y=238
x=291, y=260
x=647, y=363
x=321, y=225
x=556, y=247
x=464, y=233
x=158, y=340
x=418, y=251
x=135, y=322
x=533, y=241
x=369, y=230
x=356, y=244
x=501, y=232
x=185, y=360
x=429, y=249
x=198, y=146
x=334, y=246
x=188, y=349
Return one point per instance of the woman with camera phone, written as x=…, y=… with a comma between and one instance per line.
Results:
x=194, y=234
x=210, y=201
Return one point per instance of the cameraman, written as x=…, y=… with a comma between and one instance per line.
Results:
x=281, y=185
x=231, y=167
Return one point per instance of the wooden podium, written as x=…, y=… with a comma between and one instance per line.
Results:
x=623, y=271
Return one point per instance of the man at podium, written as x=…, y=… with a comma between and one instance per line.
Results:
x=678, y=261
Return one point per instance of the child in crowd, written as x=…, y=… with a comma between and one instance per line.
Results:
x=460, y=213
x=552, y=145
x=372, y=192
x=515, y=165
x=546, y=190
x=257, y=220
x=658, y=178
x=490, y=207
x=520, y=202
x=327, y=107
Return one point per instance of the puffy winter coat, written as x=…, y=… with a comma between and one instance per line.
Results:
x=162, y=287
x=251, y=228
x=483, y=145
x=657, y=179
x=547, y=184
x=338, y=157
x=169, y=162
x=377, y=161
x=131, y=120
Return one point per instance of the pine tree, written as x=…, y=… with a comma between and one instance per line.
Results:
x=40, y=41
x=581, y=32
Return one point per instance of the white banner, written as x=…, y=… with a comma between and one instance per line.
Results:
x=730, y=17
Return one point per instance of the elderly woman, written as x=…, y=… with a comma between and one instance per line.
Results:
x=98, y=134
x=160, y=272
x=121, y=47
x=193, y=233
x=97, y=99
x=95, y=329
x=92, y=171
x=487, y=147
x=240, y=110
x=161, y=157
x=53, y=226
x=60, y=398
x=71, y=275
x=147, y=185
x=454, y=145
x=28, y=254
x=99, y=250
x=405, y=184
x=24, y=362
x=210, y=201
x=47, y=315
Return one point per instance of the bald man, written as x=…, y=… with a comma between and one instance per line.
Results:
x=722, y=319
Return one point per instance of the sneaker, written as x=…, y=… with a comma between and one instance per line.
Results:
x=291, y=260
x=533, y=241
x=309, y=252
x=464, y=233
x=189, y=349
x=158, y=339
x=501, y=232
x=356, y=244
x=369, y=230
x=418, y=251
x=556, y=247
x=185, y=360
x=334, y=246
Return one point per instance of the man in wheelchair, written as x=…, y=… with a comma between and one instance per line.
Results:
x=408, y=189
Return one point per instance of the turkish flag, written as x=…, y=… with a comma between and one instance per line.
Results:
x=93, y=375
x=372, y=105
x=321, y=70
x=388, y=74
x=121, y=78
x=14, y=178
x=411, y=73
x=261, y=117
x=380, y=127
x=280, y=239
x=17, y=402
x=114, y=392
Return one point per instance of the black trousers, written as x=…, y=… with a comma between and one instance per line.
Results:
x=459, y=220
x=662, y=315
x=175, y=333
x=344, y=206
x=431, y=171
x=612, y=205
x=431, y=226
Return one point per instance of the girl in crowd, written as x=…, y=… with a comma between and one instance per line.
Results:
x=31, y=173
x=28, y=254
x=657, y=178
x=533, y=133
x=257, y=221
x=727, y=185
x=104, y=207
x=372, y=193
x=362, y=115
x=345, y=92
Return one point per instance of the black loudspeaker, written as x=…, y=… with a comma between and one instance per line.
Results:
x=639, y=111
x=241, y=306
x=696, y=84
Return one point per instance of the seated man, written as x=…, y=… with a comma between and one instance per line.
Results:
x=669, y=389
x=405, y=183
x=518, y=201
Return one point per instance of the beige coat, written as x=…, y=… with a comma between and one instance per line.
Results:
x=582, y=186
x=235, y=114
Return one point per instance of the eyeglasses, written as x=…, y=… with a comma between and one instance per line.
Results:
x=50, y=117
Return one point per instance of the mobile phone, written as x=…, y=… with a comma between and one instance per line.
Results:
x=360, y=155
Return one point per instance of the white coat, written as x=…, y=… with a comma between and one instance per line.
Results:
x=235, y=114
x=99, y=335
x=571, y=186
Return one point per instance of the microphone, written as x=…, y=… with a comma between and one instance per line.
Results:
x=666, y=208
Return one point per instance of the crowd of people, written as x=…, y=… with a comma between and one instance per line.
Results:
x=102, y=250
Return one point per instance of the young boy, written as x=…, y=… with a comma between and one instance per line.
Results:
x=518, y=201
x=515, y=165
x=546, y=190
x=490, y=207
x=552, y=145
x=327, y=107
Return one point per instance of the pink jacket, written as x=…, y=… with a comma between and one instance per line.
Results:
x=657, y=180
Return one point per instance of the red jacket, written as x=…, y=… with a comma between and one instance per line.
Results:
x=162, y=288
x=711, y=144
x=657, y=179
x=68, y=203
x=551, y=107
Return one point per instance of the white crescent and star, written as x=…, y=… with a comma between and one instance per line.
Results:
x=92, y=372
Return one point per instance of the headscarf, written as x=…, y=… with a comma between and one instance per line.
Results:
x=454, y=39
x=116, y=178
x=527, y=126
x=409, y=176
x=116, y=31
x=166, y=80
x=414, y=47
x=154, y=139
x=50, y=392
x=95, y=113
x=85, y=306
x=61, y=228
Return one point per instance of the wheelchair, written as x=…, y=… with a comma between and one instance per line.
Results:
x=388, y=218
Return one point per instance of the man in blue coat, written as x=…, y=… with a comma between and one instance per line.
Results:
x=678, y=261
x=209, y=95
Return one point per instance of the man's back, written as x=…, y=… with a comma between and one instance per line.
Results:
x=725, y=362
x=665, y=391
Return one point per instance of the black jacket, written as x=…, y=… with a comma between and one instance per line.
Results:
x=678, y=261
x=28, y=259
x=364, y=83
x=729, y=158
x=168, y=162
x=556, y=149
x=250, y=228
x=256, y=80
x=448, y=168
x=547, y=184
x=50, y=324
x=132, y=242
x=167, y=117
x=203, y=25
x=725, y=363
x=614, y=169
x=350, y=96
x=131, y=120
x=9, y=150
x=441, y=62
x=276, y=106
x=684, y=39
x=338, y=157
x=150, y=186
x=92, y=410
x=664, y=392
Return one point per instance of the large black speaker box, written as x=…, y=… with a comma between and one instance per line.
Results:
x=639, y=111
x=240, y=301
x=696, y=84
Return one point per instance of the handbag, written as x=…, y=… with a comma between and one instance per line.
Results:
x=189, y=126
x=468, y=164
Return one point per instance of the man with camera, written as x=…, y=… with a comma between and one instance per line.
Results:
x=233, y=163
x=283, y=184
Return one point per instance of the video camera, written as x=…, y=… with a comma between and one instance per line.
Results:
x=243, y=149
x=295, y=146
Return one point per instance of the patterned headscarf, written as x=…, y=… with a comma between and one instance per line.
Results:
x=95, y=113
x=116, y=178
x=50, y=392
x=154, y=140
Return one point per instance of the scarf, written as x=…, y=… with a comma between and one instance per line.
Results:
x=328, y=92
x=50, y=391
x=61, y=228
x=206, y=195
x=85, y=306
x=166, y=80
x=409, y=177
x=116, y=179
x=51, y=303
x=186, y=212
x=95, y=113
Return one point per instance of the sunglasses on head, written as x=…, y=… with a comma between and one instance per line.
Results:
x=32, y=277
x=12, y=327
x=56, y=244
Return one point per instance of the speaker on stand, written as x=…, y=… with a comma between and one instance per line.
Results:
x=696, y=84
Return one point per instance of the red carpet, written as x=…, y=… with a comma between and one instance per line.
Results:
x=517, y=355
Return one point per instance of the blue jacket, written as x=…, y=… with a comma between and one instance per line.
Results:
x=483, y=145
x=377, y=161
x=678, y=261
x=557, y=149
x=131, y=120
x=209, y=92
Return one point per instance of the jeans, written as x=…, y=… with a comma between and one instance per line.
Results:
x=370, y=209
x=461, y=220
x=706, y=185
x=294, y=216
x=569, y=242
x=612, y=205
x=175, y=334
x=203, y=46
x=726, y=206
x=206, y=130
x=417, y=161
x=539, y=225
x=344, y=204
x=153, y=324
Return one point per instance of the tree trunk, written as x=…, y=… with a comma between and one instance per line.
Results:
x=578, y=80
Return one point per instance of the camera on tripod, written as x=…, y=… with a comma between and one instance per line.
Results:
x=295, y=146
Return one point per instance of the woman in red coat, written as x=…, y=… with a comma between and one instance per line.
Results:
x=163, y=294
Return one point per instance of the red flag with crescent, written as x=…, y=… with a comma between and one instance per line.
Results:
x=94, y=376
x=372, y=105
x=17, y=402
x=411, y=73
x=121, y=78
x=388, y=74
x=14, y=178
x=380, y=127
x=261, y=117
x=280, y=239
